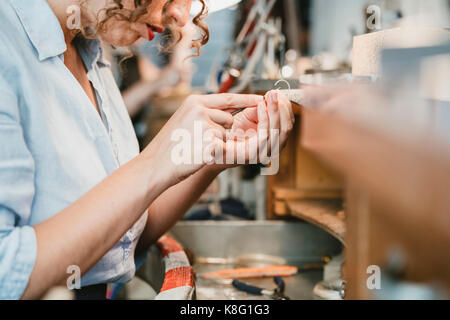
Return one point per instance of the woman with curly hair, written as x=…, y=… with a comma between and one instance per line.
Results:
x=74, y=189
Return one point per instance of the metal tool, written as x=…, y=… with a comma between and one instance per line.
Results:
x=237, y=111
x=246, y=260
x=275, y=294
x=248, y=49
x=252, y=272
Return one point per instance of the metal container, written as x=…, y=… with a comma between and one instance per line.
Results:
x=224, y=245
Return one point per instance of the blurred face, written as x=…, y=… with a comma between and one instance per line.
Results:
x=160, y=14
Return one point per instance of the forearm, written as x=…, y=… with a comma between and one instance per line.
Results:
x=84, y=232
x=170, y=206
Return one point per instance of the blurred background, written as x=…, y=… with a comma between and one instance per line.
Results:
x=361, y=201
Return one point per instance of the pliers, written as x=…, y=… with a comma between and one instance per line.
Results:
x=275, y=294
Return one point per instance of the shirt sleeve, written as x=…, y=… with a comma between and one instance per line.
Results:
x=17, y=241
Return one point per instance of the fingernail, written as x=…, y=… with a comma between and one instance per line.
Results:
x=275, y=97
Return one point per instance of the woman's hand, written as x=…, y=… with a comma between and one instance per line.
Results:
x=259, y=131
x=180, y=146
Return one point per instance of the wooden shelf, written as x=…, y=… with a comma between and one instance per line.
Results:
x=322, y=213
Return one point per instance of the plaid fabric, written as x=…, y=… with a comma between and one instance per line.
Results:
x=179, y=278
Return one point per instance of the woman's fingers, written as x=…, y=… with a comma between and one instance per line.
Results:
x=273, y=112
x=220, y=117
x=217, y=130
x=286, y=119
x=263, y=133
x=214, y=152
x=229, y=101
x=288, y=105
x=271, y=120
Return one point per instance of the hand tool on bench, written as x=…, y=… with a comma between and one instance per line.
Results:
x=275, y=294
x=245, y=273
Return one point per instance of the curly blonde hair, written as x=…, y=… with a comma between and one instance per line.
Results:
x=118, y=11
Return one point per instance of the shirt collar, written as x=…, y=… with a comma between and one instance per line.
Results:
x=46, y=34
x=41, y=26
x=91, y=51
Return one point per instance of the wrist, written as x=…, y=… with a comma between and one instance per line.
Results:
x=216, y=169
x=157, y=177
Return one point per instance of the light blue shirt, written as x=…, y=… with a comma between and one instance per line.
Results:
x=54, y=146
